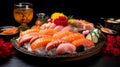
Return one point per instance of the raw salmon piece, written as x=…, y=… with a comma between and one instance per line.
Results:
x=22, y=33
x=39, y=36
x=85, y=42
x=40, y=42
x=47, y=32
x=61, y=34
x=26, y=38
x=73, y=36
x=54, y=44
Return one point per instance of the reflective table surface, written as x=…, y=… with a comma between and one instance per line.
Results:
x=98, y=60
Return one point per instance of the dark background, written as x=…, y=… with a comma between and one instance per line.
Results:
x=89, y=10
x=85, y=9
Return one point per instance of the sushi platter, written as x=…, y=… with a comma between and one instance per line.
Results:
x=61, y=38
x=66, y=57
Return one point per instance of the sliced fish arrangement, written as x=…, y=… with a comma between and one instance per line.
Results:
x=52, y=39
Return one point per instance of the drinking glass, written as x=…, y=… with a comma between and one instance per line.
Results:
x=23, y=13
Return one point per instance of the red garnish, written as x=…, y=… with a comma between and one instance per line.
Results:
x=118, y=40
x=6, y=49
x=115, y=51
x=112, y=45
x=62, y=20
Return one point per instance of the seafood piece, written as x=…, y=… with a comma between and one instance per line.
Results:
x=66, y=48
x=107, y=30
x=88, y=26
x=54, y=44
x=35, y=27
x=58, y=28
x=45, y=26
x=52, y=26
x=26, y=38
x=48, y=26
x=8, y=30
x=73, y=36
x=47, y=32
x=39, y=36
x=85, y=42
x=42, y=27
x=22, y=33
x=40, y=42
x=68, y=28
x=76, y=22
x=61, y=34
x=82, y=24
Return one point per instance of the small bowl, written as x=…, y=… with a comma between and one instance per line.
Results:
x=113, y=23
x=8, y=32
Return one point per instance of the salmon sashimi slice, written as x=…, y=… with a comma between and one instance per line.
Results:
x=61, y=34
x=85, y=42
x=73, y=36
x=39, y=36
x=54, y=44
x=48, y=31
x=40, y=42
x=26, y=38
x=22, y=33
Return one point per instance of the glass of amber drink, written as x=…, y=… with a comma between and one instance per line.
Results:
x=23, y=13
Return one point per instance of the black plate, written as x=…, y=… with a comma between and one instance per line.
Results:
x=3, y=28
x=7, y=37
x=66, y=57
